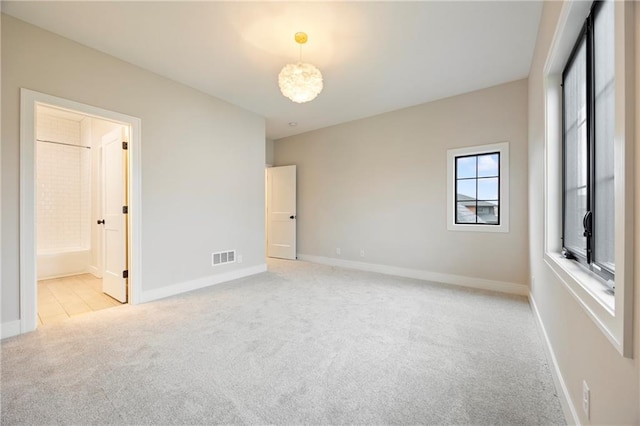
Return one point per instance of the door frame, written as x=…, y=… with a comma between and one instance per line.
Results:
x=29, y=100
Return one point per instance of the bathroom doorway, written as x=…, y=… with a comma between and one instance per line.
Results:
x=79, y=209
x=80, y=175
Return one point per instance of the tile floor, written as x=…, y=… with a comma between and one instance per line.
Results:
x=62, y=298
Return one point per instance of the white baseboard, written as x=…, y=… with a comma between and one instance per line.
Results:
x=10, y=329
x=70, y=274
x=172, y=290
x=93, y=270
x=479, y=283
x=570, y=414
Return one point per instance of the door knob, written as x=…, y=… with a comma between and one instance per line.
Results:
x=101, y=221
x=292, y=217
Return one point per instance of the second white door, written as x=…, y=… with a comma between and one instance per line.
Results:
x=281, y=212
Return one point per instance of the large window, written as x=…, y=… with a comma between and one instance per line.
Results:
x=604, y=162
x=588, y=83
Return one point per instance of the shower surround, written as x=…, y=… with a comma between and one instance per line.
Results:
x=63, y=194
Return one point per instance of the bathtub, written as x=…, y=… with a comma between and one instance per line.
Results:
x=62, y=263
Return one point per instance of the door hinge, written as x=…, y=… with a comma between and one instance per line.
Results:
x=125, y=209
x=125, y=145
x=125, y=274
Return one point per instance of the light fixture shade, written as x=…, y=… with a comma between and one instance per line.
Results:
x=300, y=82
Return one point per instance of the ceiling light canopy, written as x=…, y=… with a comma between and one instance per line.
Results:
x=300, y=82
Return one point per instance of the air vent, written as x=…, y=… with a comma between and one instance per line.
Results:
x=223, y=257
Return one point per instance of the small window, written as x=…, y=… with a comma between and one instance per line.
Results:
x=478, y=188
x=588, y=83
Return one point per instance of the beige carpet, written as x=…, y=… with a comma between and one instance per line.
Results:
x=300, y=344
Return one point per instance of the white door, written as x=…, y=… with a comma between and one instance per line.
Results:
x=281, y=212
x=114, y=167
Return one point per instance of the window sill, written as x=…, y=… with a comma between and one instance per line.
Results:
x=593, y=284
x=589, y=290
x=477, y=228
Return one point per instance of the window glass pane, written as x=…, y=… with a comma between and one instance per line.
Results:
x=466, y=167
x=604, y=80
x=488, y=165
x=575, y=151
x=465, y=212
x=488, y=211
x=466, y=190
x=477, y=177
x=488, y=189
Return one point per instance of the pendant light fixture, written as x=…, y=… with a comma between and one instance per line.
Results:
x=300, y=82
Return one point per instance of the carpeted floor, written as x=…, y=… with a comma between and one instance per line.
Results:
x=300, y=344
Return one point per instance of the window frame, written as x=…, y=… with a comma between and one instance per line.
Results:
x=611, y=314
x=476, y=179
x=588, y=259
x=501, y=148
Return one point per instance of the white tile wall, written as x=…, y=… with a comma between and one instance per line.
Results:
x=63, y=186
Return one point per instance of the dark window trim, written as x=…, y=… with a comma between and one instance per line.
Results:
x=476, y=178
x=588, y=260
x=582, y=37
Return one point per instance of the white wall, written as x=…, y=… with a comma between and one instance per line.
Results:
x=63, y=190
x=379, y=184
x=580, y=348
x=202, y=160
x=63, y=195
x=269, y=152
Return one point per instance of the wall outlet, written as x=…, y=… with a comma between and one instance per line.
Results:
x=338, y=251
x=239, y=258
x=586, y=397
x=361, y=252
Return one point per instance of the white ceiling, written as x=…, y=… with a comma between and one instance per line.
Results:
x=375, y=56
